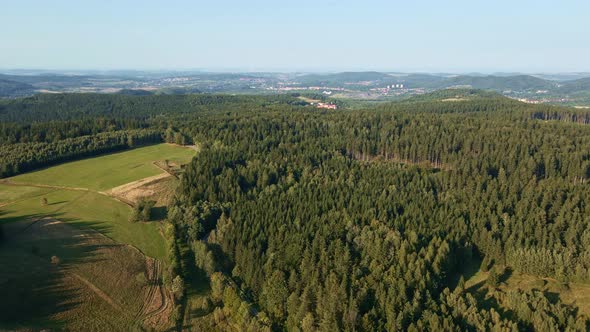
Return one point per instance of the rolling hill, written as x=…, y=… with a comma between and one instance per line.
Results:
x=574, y=86
x=500, y=83
x=9, y=88
x=344, y=77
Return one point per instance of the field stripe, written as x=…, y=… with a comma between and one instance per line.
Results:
x=98, y=292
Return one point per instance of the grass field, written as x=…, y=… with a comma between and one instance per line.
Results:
x=13, y=194
x=101, y=280
x=88, y=209
x=108, y=171
x=95, y=286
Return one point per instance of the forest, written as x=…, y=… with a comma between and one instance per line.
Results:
x=352, y=220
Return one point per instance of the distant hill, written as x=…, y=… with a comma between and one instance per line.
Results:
x=455, y=95
x=345, y=77
x=430, y=81
x=574, y=86
x=135, y=92
x=500, y=83
x=9, y=88
x=427, y=81
x=46, y=79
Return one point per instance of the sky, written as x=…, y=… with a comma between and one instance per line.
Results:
x=305, y=35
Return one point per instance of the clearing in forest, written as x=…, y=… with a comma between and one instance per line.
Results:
x=570, y=293
x=108, y=171
x=86, y=209
x=70, y=257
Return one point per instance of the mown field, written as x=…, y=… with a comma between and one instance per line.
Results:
x=70, y=258
x=108, y=171
x=61, y=277
x=89, y=208
x=86, y=209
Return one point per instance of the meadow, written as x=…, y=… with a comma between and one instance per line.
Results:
x=73, y=194
x=71, y=259
x=108, y=171
x=60, y=277
x=87, y=209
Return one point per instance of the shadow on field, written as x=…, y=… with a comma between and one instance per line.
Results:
x=36, y=252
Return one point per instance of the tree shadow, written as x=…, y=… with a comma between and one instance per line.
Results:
x=36, y=254
x=159, y=213
x=506, y=274
x=467, y=268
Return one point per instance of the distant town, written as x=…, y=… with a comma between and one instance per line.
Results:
x=566, y=89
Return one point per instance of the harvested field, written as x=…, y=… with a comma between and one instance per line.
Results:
x=93, y=285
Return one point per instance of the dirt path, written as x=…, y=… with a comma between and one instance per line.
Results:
x=36, y=185
x=156, y=308
x=151, y=265
x=22, y=199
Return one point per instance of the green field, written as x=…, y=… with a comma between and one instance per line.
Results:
x=108, y=171
x=10, y=194
x=101, y=278
x=95, y=286
x=100, y=281
x=88, y=209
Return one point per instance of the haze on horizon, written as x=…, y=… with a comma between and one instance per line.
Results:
x=264, y=35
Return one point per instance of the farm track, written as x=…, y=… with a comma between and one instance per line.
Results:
x=152, y=279
x=156, y=294
x=36, y=185
x=22, y=199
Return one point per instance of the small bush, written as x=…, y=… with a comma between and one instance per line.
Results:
x=142, y=210
x=493, y=278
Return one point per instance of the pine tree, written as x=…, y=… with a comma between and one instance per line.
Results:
x=493, y=278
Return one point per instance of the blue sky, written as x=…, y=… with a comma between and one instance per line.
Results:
x=422, y=35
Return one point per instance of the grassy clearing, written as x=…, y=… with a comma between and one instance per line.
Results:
x=89, y=209
x=574, y=294
x=108, y=171
x=100, y=282
x=97, y=285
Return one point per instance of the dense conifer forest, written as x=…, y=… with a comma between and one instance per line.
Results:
x=357, y=220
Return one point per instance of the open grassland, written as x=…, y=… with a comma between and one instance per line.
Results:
x=570, y=293
x=71, y=259
x=61, y=277
x=108, y=171
x=88, y=209
x=77, y=196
